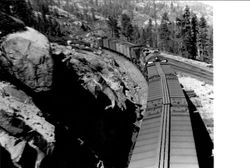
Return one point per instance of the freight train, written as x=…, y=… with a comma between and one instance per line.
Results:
x=166, y=136
x=137, y=54
x=133, y=52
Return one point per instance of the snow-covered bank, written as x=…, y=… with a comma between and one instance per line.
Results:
x=199, y=64
x=203, y=101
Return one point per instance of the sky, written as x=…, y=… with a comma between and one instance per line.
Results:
x=211, y=3
x=231, y=83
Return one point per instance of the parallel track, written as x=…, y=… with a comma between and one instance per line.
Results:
x=194, y=71
x=197, y=73
x=191, y=70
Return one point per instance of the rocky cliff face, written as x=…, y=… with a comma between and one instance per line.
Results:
x=64, y=108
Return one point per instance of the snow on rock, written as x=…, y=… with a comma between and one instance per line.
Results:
x=203, y=101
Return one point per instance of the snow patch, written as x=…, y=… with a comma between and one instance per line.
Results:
x=203, y=101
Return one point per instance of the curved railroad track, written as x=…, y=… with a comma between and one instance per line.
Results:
x=192, y=70
x=201, y=73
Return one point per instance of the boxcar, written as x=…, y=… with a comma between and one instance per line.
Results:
x=124, y=52
x=118, y=46
x=105, y=42
x=111, y=44
x=127, y=48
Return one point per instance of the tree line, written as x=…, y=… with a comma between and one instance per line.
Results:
x=34, y=13
x=184, y=34
x=187, y=35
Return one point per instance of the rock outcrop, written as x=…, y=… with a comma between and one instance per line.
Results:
x=80, y=108
x=22, y=124
x=26, y=57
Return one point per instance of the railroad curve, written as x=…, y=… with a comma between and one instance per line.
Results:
x=185, y=68
x=192, y=70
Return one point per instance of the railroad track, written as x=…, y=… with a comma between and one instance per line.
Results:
x=191, y=70
x=196, y=73
x=166, y=136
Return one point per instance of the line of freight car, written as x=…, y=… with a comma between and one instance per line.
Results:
x=180, y=125
x=166, y=137
x=127, y=49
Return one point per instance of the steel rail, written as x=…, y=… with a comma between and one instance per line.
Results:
x=165, y=136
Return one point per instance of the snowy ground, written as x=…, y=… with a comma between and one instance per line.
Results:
x=204, y=99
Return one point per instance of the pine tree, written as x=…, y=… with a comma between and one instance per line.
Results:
x=203, y=39
x=113, y=24
x=126, y=27
x=136, y=35
x=194, y=23
x=172, y=37
x=187, y=34
x=149, y=34
x=164, y=33
x=143, y=36
x=211, y=45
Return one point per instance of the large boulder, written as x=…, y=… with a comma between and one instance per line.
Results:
x=26, y=56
